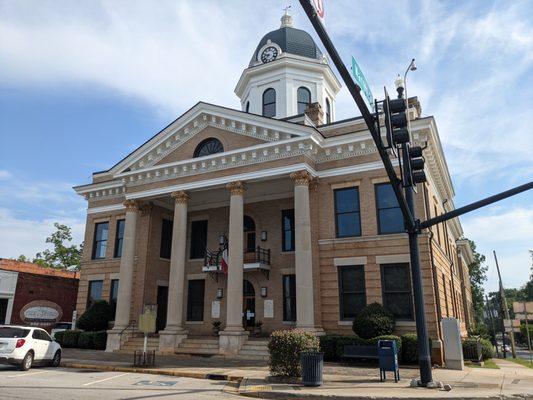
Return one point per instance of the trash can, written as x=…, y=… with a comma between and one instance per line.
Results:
x=312, y=363
x=388, y=359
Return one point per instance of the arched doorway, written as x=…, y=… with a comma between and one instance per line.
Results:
x=249, y=239
x=248, y=304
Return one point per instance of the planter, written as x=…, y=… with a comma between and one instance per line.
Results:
x=312, y=364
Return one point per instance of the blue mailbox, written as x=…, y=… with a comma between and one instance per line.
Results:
x=388, y=359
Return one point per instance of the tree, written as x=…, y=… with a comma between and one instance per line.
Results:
x=478, y=275
x=63, y=255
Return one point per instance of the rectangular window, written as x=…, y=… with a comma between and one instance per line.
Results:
x=119, y=237
x=287, y=233
x=166, y=239
x=94, y=292
x=347, y=216
x=396, y=289
x=352, y=296
x=289, y=297
x=113, y=294
x=195, y=300
x=390, y=217
x=198, y=239
x=101, y=234
x=445, y=295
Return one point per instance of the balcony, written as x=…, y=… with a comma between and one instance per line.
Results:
x=258, y=260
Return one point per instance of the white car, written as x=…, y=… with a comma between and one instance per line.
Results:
x=28, y=345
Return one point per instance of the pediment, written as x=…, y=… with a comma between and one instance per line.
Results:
x=235, y=129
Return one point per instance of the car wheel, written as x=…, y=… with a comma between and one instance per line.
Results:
x=27, y=361
x=57, y=359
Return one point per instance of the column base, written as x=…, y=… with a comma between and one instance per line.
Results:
x=115, y=337
x=169, y=339
x=230, y=342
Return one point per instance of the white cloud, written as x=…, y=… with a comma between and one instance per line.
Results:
x=4, y=174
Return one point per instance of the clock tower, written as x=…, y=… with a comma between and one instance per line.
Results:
x=286, y=73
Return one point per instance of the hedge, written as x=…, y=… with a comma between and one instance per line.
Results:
x=86, y=340
x=69, y=338
x=487, y=350
x=333, y=345
x=58, y=337
x=373, y=321
x=410, y=348
x=285, y=347
x=83, y=340
x=100, y=340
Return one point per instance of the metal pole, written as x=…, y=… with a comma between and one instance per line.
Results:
x=504, y=303
x=528, y=338
x=492, y=324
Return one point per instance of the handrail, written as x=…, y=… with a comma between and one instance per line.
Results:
x=132, y=325
x=258, y=255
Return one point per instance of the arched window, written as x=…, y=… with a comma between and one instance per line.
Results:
x=328, y=111
x=304, y=99
x=208, y=146
x=269, y=103
x=247, y=106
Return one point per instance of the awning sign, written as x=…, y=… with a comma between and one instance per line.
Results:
x=360, y=79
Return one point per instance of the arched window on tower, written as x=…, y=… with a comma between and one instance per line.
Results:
x=247, y=106
x=269, y=103
x=208, y=146
x=304, y=99
x=328, y=111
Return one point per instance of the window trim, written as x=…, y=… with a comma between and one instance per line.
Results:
x=378, y=209
x=284, y=231
x=358, y=212
x=96, y=242
x=267, y=104
x=117, y=238
x=383, y=297
x=342, y=293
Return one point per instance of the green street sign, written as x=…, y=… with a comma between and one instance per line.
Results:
x=361, y=81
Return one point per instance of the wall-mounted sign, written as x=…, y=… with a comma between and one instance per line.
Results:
x=41, y=312
x=215, y=309
x=268, y=311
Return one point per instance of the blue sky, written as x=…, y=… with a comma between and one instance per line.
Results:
x=83, y=83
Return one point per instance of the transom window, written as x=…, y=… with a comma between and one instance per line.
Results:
x=390, y=218
x=396, y=289
x=304, y=99
x=269, y=103
x=347, y=215
x=207, y=147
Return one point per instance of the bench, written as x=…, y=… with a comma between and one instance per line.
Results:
x=360, y=352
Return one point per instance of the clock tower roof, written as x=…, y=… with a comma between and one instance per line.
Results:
x=290, y=40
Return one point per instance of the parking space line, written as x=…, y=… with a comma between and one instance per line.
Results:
x=28, y=374
x=105, y=379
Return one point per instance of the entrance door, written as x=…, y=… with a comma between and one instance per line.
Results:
x=3, y=311
x=248, y=304
x=162, y=301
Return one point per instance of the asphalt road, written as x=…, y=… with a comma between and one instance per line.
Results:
x=45, y=383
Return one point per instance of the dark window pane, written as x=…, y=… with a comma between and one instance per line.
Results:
x=390, y=218
x=198, y=239
x=166, y=239
x=101, y=234
x=396, y=277
x=269, y=110
x=119, y=237
x=195, y=300
x=269, y=103
x=352, y=296
x=328, y=112
x=289, y=298
x=396, y=288
x=348, y=225
x=287, y=222
x=94, y=292
x=347, y=216
x=113, y=294
x=207, y=147
x=351, y=305
x=401, y=305
x=347, y=200
x=304, y=98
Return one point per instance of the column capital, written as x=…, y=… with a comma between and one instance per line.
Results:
x=236, y=188
x=301, y=178
x=180, y=197
x=131, y=205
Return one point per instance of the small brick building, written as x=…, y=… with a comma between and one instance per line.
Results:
x=34, y=295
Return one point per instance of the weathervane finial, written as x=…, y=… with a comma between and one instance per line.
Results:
x=286, y=19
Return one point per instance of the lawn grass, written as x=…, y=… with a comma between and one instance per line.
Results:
x=521, y=361
x=487, y=364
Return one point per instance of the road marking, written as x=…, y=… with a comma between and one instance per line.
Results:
x=23, y=375
x=105, y=379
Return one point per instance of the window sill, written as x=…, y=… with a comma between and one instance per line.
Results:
x=164, y=259
x=194, y=322
x=289, y=323
x=345, y=323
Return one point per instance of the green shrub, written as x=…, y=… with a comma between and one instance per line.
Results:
x=285, y=347
x=487, y=350
x=100, y=340
x=59, y=337
x=373, y=321
x=96, y=318
x=410, y=348
x=479, y=330
x=333, y=345
x=397, y=339
x=86, y=340
x=70, y=338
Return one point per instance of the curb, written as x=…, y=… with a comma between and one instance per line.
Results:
x=153, y=371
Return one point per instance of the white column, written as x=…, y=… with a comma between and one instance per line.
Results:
x=305, y=318
x=233, y=336
x=174, y=332
x=127, y=263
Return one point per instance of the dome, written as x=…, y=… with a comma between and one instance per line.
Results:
x=291, y=41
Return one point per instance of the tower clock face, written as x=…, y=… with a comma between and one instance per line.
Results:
x=269, y=54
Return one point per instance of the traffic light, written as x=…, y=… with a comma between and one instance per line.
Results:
x=416, y=165
x=395, y=121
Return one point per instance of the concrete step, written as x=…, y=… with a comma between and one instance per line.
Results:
x=192, y=351
x=188, y=345
x=141, y=340
x=253, y=346
x=200, y=340
x=252, y=357
x=246, y=352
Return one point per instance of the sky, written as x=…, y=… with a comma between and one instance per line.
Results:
x=84, y=83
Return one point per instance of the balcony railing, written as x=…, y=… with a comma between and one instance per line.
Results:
x=260, y=257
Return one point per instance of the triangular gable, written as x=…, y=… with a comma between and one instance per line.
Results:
x=197, y=119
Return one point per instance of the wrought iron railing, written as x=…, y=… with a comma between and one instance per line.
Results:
x=213, y=258
x=259, y=255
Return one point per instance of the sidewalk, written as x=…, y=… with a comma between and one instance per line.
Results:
x=251, y=378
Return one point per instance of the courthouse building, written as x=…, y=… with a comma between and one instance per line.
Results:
x=300, y=200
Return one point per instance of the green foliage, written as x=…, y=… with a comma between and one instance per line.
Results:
x=478, y=276
x=285, y=347
x=410, y=348
x=397, y=339
x=100, y=340
x=372, y=321
x=59, y=337
x=333, y=345
x=70, y=338
x=96, y=318
x=86, y=340
x=480, y=330
x=487, y=350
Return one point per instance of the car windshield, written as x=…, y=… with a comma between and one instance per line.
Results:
x=7, y=332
